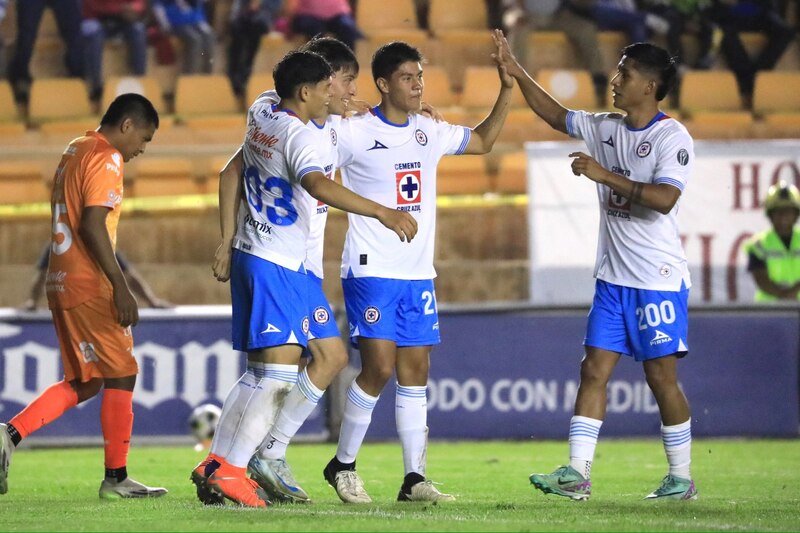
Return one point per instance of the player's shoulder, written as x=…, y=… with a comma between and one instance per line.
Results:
x=671, y=130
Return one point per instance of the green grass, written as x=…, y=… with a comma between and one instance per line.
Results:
x=744, y=485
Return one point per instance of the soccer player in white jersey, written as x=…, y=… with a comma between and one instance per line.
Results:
x=641, y=161
x=390, y=155
x=329, y=356
x=269, y=286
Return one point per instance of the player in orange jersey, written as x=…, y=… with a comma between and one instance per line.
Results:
x=93, y=307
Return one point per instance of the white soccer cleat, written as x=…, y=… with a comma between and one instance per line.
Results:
x=128, y=488
x=6, y=449
x=276, y=478
x=348, y=484
x=424, y=491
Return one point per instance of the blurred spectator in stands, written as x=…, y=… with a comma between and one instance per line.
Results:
x=250, y=20
x=737, y=16
x=3, y=9
x=686, y=17
x=108, y=19
x=790, y=11
x=312, y=17
x=136, y=282
x=773, y=256
x=186, y=19
x=625, y=16
x=495, y=13
x=572, y=17
x=29, y=15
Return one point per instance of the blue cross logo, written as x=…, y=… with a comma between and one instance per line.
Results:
x=409, y=187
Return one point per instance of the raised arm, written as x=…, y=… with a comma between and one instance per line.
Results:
x=485, y=134
x=230, y=192
x=544, y=105
x=330, y=192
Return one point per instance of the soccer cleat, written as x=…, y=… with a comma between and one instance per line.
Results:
x=347, y=483
x=674, y=488
x=565, y=481
x=128, y=488
x=275, y=477
x=235, y=487
x=200, y=478
x=6, y=449
x=423, y=491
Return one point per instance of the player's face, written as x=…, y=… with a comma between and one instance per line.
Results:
x=134, y=139
x=405, y=87
x=629, y=86
x=343, y=88
x=319, y=98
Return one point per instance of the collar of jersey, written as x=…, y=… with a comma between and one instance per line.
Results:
x=276, y=107
x=659, y=116
x=319, y=126
x=377, y=112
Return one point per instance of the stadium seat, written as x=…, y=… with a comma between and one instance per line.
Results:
x=274, y=45
x=776, y=100
x=206, y=101
x=710, y=102
x=481, y=85
x=10, y=123
x=464, y=174
x=146, y=86
x=366, y=89
x=21, y=182
x=59, y=105
x=446, y=15
x=438, y=90
x=512, y=176
x=573, y=88
x=164, y=176
x=375, y=16
x=257, y=84
x=457, y=50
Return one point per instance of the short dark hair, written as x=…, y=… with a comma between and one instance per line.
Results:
x=132, y=105
x=388, y=58
x=654, y=60
x=335, y=52
x=299, y=68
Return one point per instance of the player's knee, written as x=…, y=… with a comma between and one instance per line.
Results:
x=593, y=374
x=87, y=390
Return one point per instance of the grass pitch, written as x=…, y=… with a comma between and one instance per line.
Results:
x=744, y=485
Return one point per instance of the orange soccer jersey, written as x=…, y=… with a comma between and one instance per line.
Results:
x=90, y=174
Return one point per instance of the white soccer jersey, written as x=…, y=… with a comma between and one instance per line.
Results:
x=638, y=247
x=327, y=150
x=279, y=149
x=394, y=165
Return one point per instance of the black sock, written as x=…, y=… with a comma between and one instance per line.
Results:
x=118, y=474
x=411, y=479
x=338, y=466
x=14, y=434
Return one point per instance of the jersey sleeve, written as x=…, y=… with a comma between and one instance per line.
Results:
x=675, y=160
x=102, y=184
x=453, y=140
x=301, y=155
x=583, y=125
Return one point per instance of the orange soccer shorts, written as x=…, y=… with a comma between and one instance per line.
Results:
x=93, y=344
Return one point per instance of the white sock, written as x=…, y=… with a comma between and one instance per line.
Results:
x=678, y=446
x=411, y=417
x=299, y=404
x=357, y=416
x=259, y=412
x=232, y=409
x=583, y=433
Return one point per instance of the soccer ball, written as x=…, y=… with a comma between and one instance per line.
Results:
x=203, y=422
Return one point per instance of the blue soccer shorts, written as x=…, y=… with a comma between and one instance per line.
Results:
x=638, y=322
x=399, y=310
x=270, y=304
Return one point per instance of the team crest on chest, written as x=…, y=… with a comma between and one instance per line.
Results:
x=421, y=138
x=409, y=187
x=643, y=150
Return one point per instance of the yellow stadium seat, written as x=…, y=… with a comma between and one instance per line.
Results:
x=481, y=85
x=445, y=15
x=164, y=176
x=464, y=174
x=776, y=101
x=206, y=101
x=438, y=90
x=59, y=105
x=21, y=182
x=366, y=89
x=257, y=84
x=10, y=123
x=512, y=176
x=457, y=50
x=572, y=88
x=146, y=86
x=274, y=46
x=711, y=104
x=380, y=15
